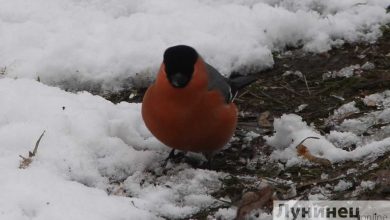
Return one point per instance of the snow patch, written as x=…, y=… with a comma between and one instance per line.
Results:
x=226, y=213
x=89, y=146
x=343, y=139
x=367, y=185
x=345, y=72
x=378, y=99
x=290, y=130
x=342, y=185
x=95, y=44
x=368, y=66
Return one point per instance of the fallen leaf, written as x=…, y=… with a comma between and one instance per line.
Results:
x=303, y=151
x=263, y=120
x=250, y=201
x=25, y=162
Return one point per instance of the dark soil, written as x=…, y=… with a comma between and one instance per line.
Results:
x=279, y=95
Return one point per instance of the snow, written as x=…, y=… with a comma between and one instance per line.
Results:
x=90, y=144
x=368, y=66
x=97, y=160
x=294, y=73
x=301, y=107
x=226, y=213
x=345, y=72
x=39, y=193
x=189, y=187
x=315, y=197
x=95, y=44
x=352, y=171
x=290, y=130
x=368, y=185
x=378, y=99
x=343, y=139
x=249, y=136
x=346, y=109
x=342, y=185
x=375, y=118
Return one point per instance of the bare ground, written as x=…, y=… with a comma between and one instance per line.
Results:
x=248, y=164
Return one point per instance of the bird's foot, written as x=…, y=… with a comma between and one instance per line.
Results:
x=209, y=156
x=171, y=155
x=174, y=157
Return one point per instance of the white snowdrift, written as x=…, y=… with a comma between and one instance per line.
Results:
x=89, y=143
x=82, y=44
x=290, y=130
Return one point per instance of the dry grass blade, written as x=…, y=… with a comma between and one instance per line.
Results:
x=304, y=152
x=268, y=96
x=37, y=144
x=317, y=182
x=26, y=161
x=307, y=85
x=305, y=140
x=290, y=90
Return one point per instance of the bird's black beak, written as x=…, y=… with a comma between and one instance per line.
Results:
x=179, y=80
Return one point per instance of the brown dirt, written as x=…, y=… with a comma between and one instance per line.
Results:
x=280, y=94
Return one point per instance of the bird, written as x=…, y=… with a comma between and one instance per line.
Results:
x=189, y=107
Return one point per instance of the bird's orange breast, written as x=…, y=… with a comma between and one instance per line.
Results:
x=190, y=118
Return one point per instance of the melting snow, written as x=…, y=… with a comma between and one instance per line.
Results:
x=89, y=145
x=92, y=43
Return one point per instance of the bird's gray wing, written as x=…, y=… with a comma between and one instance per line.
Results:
x=229, y=87
x=219, y=82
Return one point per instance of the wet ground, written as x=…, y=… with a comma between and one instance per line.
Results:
x=299, y=78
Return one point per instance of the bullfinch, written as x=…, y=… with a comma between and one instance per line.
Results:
x=190, y=105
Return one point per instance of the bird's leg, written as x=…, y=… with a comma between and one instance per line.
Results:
x=209, y=156
x=174, y=157
x=171, y=154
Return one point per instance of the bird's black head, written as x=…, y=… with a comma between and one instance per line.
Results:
x=179, y=64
